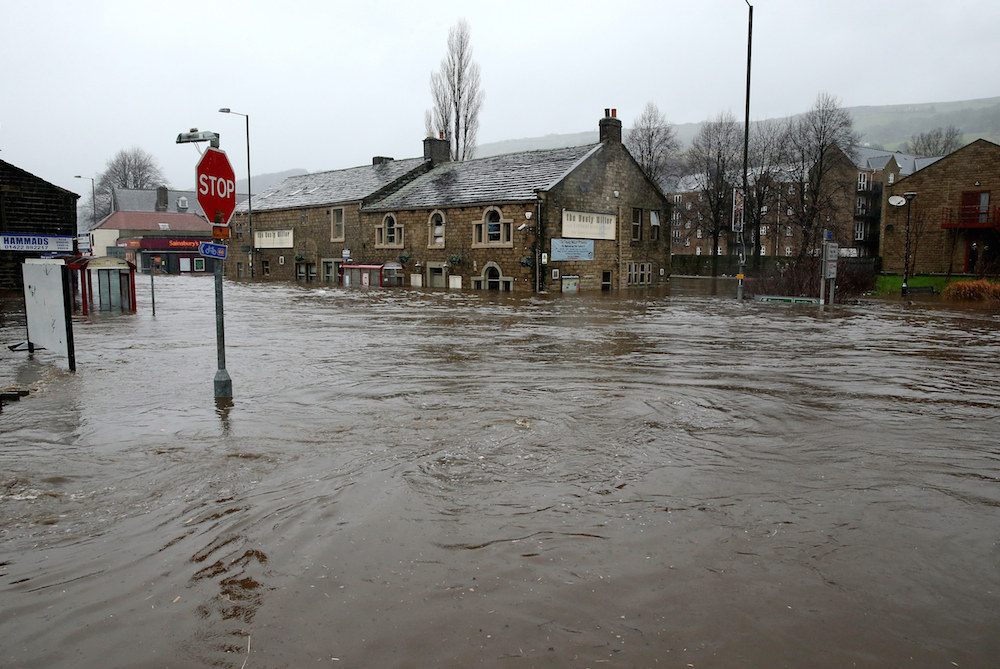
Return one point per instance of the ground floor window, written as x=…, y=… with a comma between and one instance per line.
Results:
x=493, y=279
x=199, y=264
x=639, y=273
x=266, y=267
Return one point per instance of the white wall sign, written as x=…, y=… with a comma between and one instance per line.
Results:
x=588, y=225
x=43, y=243
x=273, y=239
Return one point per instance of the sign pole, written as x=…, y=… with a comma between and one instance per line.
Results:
x=223, y=384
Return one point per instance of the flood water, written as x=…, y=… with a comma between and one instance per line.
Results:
x=411, y=478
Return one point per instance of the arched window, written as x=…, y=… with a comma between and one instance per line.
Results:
x=435, y=231
x=390, y=233
x=493, y=230
x=492, y=275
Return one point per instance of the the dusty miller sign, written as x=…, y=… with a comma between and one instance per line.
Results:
x=588, y=225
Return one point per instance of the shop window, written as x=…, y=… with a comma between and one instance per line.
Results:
x=199, y=264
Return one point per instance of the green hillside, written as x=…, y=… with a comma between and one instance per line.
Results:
x=886, y=126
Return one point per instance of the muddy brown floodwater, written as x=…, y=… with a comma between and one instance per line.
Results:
x=410, y=478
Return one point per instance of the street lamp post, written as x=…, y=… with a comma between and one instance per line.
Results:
x=227, y=110
x=906, y=253
x=93, y=197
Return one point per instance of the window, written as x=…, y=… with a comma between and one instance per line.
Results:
x=654, y=226
x=859, y=231
x=862, y=207
x=687, y=205
x=697, y=250
x=862, y=180
x=763, y=231
x=199, y=264
x=164, y=226
x=492, y=230
x=265, y=266
x=892, y=177
x=639, y=273
x=763, y=251
x=435, y=231
x=687, y=242
x=636, y=225
x=763, y=210
x=677, y=199
x=699, y=233
x=788, y=250
x=676, y=218
x=336, y=225
x=790, y=212
x=677, y=234
x=687, y=225
x=389, y=234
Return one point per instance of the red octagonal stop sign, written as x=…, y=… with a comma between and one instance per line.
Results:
x=216, y=186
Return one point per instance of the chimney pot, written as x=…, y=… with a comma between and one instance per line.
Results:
x=607, y=112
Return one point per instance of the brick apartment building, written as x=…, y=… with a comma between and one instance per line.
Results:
x=580, y=218
x=954, y=222
x=853, y=213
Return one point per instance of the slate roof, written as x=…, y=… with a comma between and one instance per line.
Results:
x=348, y=185
x=151, y=220
x=144, y=199
x=866, y=158
x=504, y=178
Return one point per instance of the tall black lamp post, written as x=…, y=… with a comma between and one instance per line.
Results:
x=899, y=201
x=227, y=110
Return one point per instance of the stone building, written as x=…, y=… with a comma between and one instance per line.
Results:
x=30, y=205
x=306, y=227
x=579, y=218
x=954, y=223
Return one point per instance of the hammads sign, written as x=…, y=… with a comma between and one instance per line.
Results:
x=216, y=186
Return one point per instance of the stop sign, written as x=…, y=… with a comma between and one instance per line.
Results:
x=216, y=186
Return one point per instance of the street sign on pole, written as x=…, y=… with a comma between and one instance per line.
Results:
x=216, y=183
x=210, y=250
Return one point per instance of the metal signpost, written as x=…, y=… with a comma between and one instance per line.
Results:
x=216, y=183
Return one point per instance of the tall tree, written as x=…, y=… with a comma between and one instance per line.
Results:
x=129, y=168
x=652, y=141
x=818, y=143
x=937, y=142
x=457, y=94
x=716, y=161
x=766, y=157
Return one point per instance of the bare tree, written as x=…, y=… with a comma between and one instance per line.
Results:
x=652, y=141
x=457, y=95
x=936, y=142
x=129, y=168
x=766, y=156
x=716, y=161
x=819, y=143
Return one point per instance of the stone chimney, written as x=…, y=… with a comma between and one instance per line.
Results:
x=161, y=198
x=380, y=160
x=610, y=127
x=437, y=150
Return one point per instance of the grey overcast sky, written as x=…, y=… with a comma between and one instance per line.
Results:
x=328, y=84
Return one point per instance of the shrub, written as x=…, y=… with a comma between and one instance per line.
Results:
x=973, y=291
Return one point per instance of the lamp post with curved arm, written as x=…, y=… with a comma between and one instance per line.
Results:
x=227, y=110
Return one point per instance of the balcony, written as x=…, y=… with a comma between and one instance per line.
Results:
x=953, y=218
